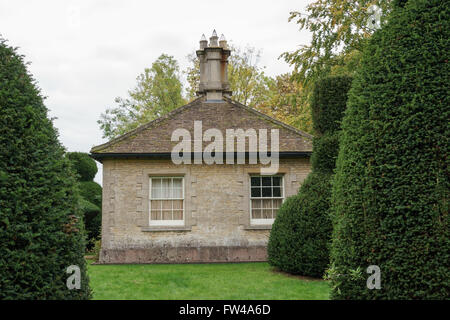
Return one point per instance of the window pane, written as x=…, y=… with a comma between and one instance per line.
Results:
x=166, y=204
x=177, y=183
x=256, y=204
x=256, y=192
x=156, y=204
x=177, y=204
x=177, y=215
x=177, y=193
x=255, y=181
x=276, y=181
x=267, y=192
x=276, y=191
x=266, y=181
x=156, y=215
x=267, y=204
x=267, y=214
x=256, y=213
x=156, y=188
x=166, y=186
x=167, y=215
x=277, y=203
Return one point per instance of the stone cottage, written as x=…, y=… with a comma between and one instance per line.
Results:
x=175, y=190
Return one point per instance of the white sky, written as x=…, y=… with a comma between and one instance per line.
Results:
x=85, y=53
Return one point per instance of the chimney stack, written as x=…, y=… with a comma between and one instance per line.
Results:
x=213, y=60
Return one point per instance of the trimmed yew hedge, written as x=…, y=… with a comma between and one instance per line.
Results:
x=301, y=234
x=41, y=229
x=84, y=165
x=90, y=192
x=391, y=188
x=328, y=103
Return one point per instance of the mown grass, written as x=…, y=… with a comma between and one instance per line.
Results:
x=201, y=281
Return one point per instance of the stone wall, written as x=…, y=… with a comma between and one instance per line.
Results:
x=216, y=209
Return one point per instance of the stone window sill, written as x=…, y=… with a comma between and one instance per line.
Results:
x=165, y=229
x=258, y=227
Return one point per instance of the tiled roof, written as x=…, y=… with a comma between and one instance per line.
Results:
x=155, y=136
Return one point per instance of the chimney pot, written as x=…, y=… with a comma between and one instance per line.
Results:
x=223, y=42
x=203, y=42
x=213, y=60
x=213, y=39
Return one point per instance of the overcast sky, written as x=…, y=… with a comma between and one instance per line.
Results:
x=85, y=53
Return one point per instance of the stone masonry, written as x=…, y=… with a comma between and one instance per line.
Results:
x=216, y=208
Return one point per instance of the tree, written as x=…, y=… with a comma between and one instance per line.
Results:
x=158, y=91
x=391, y=188
x=85, y=166
x=90, y=194
x=300, y=237
x=41, y=228
x=284, y=101
x=339, y=28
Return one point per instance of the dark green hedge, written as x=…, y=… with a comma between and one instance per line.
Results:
x=301, y=232
x=92, y=221
x=84, y=165
x=92, y=192
x=328, y=103
x=391, y=189
x=326, y=149
x=41, y=229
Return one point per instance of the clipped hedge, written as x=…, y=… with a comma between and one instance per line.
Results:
x=391, y=188
x=328, y=103
x=326, y=149
x=84, y=165
x=92, y=221
x=41, y=228
x=92, y=192
x=301, y=233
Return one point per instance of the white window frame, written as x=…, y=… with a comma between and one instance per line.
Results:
x=264, y=221
x=165, y=222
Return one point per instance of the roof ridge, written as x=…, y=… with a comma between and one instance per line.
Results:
x=144, y=126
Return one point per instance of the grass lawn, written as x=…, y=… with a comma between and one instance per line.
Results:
x=201, y=281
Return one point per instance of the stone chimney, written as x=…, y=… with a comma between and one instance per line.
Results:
x=214, y=67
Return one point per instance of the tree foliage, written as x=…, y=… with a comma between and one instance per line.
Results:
x=391, y=188
x=284, y=100
x=158, y=91
x=41, y=229
x=85, y=166
x=339, y=28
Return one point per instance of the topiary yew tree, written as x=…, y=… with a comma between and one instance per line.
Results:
x=391, y=188
x=301, y=234
x=84, y=165
x=90, y=192
x=41, y=231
